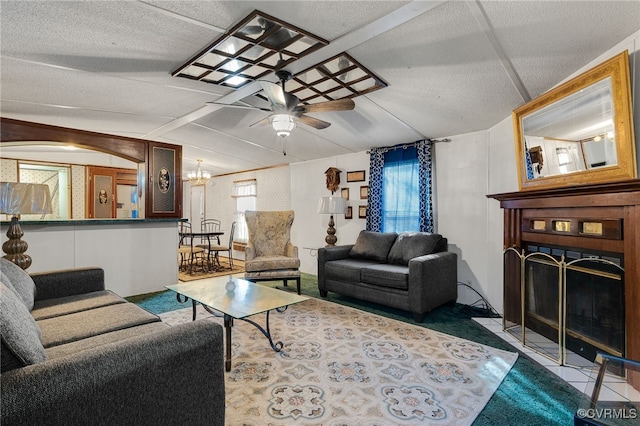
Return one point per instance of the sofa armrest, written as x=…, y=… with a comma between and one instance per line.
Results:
x=325, y=254
x=174, y=376
x=68, y=282
x=433, y=280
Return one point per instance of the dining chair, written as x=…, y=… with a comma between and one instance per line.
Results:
x=229, y=248
x=189, y=253
x=209, y=225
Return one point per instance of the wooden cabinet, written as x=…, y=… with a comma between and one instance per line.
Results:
x=102, y=193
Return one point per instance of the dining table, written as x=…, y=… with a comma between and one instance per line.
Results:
x=213, y=263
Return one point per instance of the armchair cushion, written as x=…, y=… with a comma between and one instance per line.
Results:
x=19, y=332
x=17, y=279
x=412, y=244
x=267, y=263
x=373, y=245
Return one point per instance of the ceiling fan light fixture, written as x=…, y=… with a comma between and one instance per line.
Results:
x=283, y=124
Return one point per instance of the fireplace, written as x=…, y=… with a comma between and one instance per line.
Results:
x=572, y=270
x=572, y=304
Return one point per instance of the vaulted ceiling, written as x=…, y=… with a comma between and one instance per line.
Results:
x=450, y=67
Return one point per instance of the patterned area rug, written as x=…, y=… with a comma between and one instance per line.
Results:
x=198, y=274
x=340, y=366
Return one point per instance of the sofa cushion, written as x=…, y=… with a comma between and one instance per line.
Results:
x=20, y=281
x=80, y=325
x=103, y=339
x=346, y=269
x=412, y=244
x=268, y=263
x=373, y=245
x=19, y=333
x=386, y=275
x=49, y=308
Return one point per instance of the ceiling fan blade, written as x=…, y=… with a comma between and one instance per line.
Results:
x=314, y=122
x=337, y=105
x=278, y=97
x=239, y=106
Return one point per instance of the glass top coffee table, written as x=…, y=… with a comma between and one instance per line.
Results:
x=244, y=300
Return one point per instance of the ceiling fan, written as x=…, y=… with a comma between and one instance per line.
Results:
x=286, y=109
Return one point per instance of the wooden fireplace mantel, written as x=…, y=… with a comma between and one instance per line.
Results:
x=613, y=203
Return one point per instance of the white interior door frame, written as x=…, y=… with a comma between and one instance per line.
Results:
x=198, y=203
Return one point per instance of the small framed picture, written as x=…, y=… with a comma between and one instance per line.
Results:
x=344, y=193
x=357, y=176
x=349, y=213
x=362, y=212
x=364, y=192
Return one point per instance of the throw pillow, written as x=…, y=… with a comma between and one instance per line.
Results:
x=20, y=281
x=373, y=245
x=412, y=244
x=20, y=335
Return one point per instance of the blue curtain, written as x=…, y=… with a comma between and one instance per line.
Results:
x=400, y=188
x=527, y=162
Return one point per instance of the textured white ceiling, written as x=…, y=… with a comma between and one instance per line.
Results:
x=452, y=68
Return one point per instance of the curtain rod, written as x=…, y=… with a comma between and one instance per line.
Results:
x=407, y=145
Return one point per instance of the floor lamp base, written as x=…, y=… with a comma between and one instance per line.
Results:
x=331, y=238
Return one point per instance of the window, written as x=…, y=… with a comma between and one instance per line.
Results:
x=401, y=200
x=399, y=193
x=245, y=192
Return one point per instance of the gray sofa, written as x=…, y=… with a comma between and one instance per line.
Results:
x=412, y=271
x=74, y=353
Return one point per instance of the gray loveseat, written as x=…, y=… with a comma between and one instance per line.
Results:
x=412, y=271
x=74, y=353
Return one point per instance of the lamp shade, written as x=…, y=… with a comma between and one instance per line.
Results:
x=332, y=205
x=24, y=198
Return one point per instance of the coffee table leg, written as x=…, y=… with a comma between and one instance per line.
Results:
x=228, y=323
x=276, y=346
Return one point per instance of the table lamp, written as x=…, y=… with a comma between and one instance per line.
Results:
x=332, y=205
x=21, y=198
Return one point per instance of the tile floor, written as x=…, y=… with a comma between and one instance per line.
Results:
x=614, y=388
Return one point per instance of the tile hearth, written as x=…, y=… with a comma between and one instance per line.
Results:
x=613, y=389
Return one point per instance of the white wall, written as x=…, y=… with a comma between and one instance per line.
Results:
x=136, y=257
x=307, y=186
x=462, y=210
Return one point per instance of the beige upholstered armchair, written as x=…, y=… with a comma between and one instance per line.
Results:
x=270, y=255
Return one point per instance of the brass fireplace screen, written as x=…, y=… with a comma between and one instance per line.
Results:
x=572, y=304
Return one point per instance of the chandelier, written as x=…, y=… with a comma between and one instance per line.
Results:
x=199, y=177
x=283, y=124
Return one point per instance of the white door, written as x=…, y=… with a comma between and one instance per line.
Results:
x=198, y=203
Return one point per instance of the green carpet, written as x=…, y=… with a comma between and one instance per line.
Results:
x=529, y=395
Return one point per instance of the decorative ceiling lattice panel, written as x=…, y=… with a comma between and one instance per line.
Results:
x=261, y=44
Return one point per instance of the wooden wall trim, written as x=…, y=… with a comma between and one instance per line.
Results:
x=24, y=131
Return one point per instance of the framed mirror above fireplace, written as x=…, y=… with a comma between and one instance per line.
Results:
x=580, y=132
